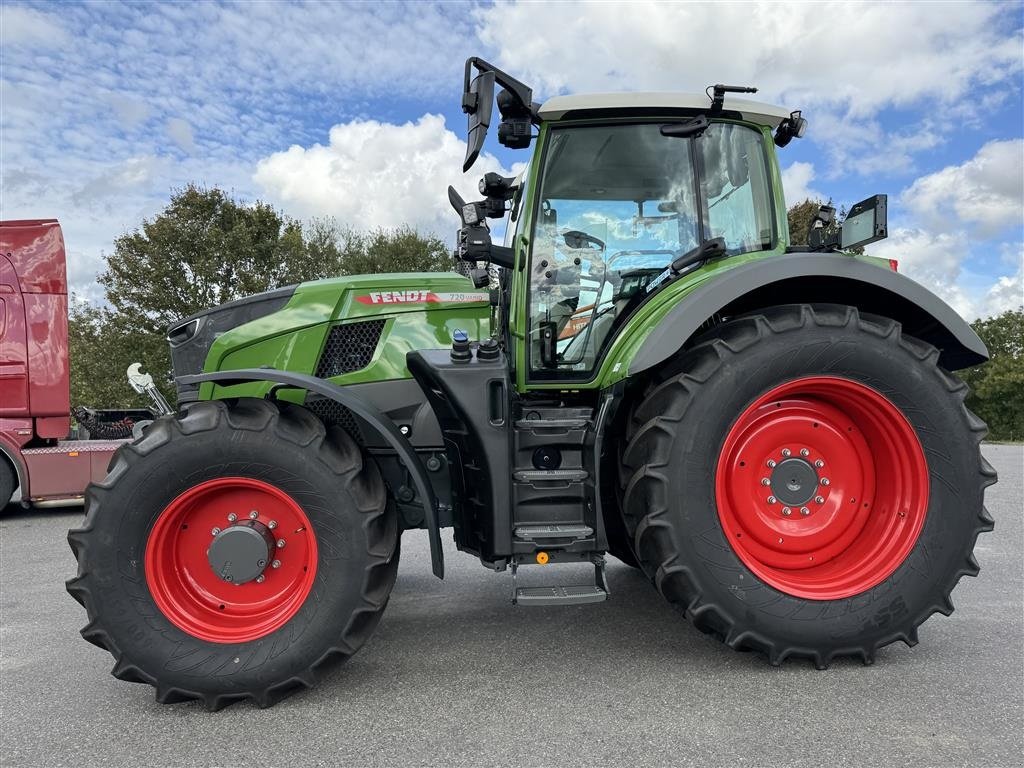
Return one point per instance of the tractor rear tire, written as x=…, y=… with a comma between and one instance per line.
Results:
x=244, y=473
x=808, y=483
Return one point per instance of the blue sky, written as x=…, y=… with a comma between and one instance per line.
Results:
x=352, y=110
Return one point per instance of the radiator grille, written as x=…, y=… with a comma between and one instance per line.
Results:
x=349, y=347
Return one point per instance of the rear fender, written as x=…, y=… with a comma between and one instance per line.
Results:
x=795, y=278
x=368, y=412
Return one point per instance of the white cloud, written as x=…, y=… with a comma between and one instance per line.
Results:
x=853, y=54
x=863, y=146
x=986, y=192
x=29, y=28
x=180, y=132
x=130, y=111
x=933, y=259
x=374, y=174
x=796, y=182
x=952, y=214
x=115, y=180
x=1006, y=294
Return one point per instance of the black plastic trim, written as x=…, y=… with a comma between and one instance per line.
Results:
x=368, y=413
x=717, y=293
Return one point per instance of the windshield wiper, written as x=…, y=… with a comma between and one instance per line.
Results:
x=709, y=249
x=694, y=127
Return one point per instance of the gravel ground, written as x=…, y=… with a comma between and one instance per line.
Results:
x=457, y=675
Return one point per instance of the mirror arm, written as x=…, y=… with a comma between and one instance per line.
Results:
x=522, y=92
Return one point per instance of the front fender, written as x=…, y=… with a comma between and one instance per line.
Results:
x=794, y=278
x=368, y=412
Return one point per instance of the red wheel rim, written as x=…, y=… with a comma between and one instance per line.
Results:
x=193, y=596
x=857, y=461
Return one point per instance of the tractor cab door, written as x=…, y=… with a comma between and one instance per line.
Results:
x=617, y=204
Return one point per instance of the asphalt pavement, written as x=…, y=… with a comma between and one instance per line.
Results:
x=456, y=675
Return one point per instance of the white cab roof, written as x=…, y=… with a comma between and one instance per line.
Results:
x=754, y=111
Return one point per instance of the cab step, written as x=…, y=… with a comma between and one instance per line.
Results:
x=542, y=532
x=563, y=595
x=550, y=475
x=567, y=594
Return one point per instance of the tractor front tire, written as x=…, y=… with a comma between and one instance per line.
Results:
x=807, y=484
x=233, y=552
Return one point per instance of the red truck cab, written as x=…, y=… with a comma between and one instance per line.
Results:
x=35, y=404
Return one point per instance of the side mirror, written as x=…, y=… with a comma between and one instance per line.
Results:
x=477, y=102
x=793, y=127
x=867, y=222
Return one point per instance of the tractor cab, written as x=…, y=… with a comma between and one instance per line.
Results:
x=624, y=194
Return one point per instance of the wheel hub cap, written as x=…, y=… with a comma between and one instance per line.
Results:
x=240, y=554
x=794, y=482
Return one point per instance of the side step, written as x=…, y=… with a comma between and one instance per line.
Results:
x=569, y=595
x=572, y=594
x=535, y=532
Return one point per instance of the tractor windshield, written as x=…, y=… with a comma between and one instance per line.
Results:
x=617, y=204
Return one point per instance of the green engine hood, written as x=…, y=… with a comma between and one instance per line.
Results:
x=420, y=310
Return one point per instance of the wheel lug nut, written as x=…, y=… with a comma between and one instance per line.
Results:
x=819, y=499
x=819, y=463
x=772, y=499
x=260, y=579
x=280, y=543
x=215, y=530
x=272, y=524
x=771, y=463
x=804, y=511
x=232, y=517
x=787, y=511
x=804, y=452
x=765, y=481
x=276, y=564
x=786, y=452
x=253, y=515
x=824, y=481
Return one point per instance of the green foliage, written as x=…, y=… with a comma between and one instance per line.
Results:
x=802, y=214
x=204, y=249
x=398, y=250
x=102, y=348
x=800, y=217
x=997, y=387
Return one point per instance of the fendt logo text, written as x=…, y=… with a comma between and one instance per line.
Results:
x=418, y=297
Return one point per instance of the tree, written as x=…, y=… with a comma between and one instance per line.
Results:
x=204, y=249
x=393, y=250
x=802, y=214
x=101, y=351
x=800, y=217
x=997, y=387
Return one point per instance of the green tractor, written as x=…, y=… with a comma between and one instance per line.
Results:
x=645, y=368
